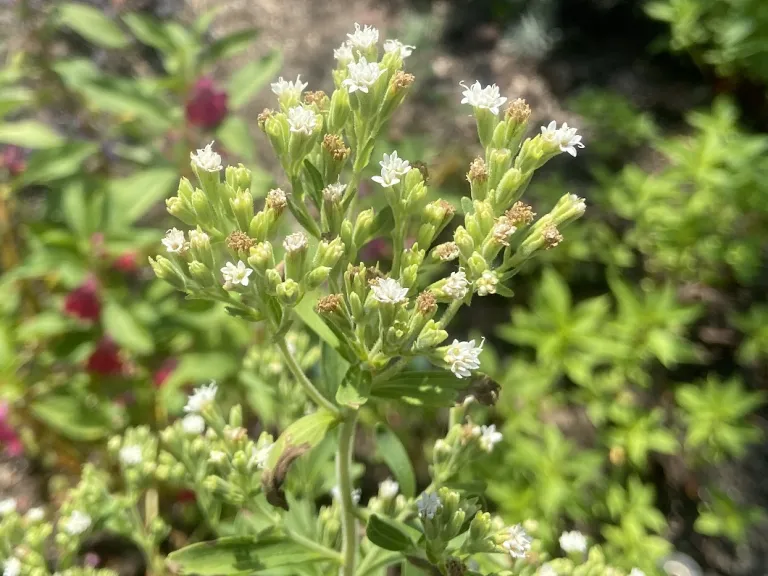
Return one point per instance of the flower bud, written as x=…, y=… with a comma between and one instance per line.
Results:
x=569, y=208
x=437, y=216
x=486, y=124
x=316, y=277
x=500, y=162
x=328, y=253
x=478, y=179
x=203, y=209
x=238, y=177
x=477, y=265
x=339, y=111
x=363, y=227
x=531, y=156
x=200, y=247
x=510, y=188
x=185, y=190
x=332, y=308
x=431, y=336
x=261, y=257
x=295, y=246
x=273, y=280
x=181, y=210
x=202, y=274
x=510, y=132
x=288, y=292
x=480, y=527
x=464, y=242
x=277, y=130
x=165, y=270
x=236, y=416
x=242, y=208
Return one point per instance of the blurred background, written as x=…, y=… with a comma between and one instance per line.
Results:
x=633, y=359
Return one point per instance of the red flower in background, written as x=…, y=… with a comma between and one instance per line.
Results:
x=12, y=159
x=206, y=106
x=165, y=370
x=9, y=440
x=127, y=262
x=105, y=359
x=83, y=302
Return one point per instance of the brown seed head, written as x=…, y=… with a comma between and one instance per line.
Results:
x=426, y=303
x=552, y=236
x=447, y=251
x=477, y=171
x=502, y=230
x=402, y=80
x=520, y=214
x=447, y=206
x=329, y=304
x=317, y=97
x=265, y=115
x=334, y=144
x=455, y=567
x=239, y=241
x=518, y=111
x=276, y=200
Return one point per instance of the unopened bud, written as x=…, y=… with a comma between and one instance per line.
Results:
x=181, y=210
x=261, y=257
x=288, y=292
x=202, y=274
x=238, y=177
x=339, y=110
x=316, y=277
x=295, y=246
x=165, y=270
x=464, y=242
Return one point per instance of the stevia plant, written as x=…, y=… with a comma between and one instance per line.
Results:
x=265, y=500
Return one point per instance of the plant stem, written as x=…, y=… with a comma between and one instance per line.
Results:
x=314, y=546
x=449, y=313
x=344, y=482
x=298, y=373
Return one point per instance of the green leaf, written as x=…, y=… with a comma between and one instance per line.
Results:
x=386, y=533
x=201, y=366
x=230, y=44
x=129, y=100
x=355, y=387
x=29, y=134
x=234, y=135
x=308, y=430
x=58, y=163
x=92, y=24
x=305, y=310
x=71, y=417
x=242, y=555
x=130, y=198
x=436, y=388
x=14, y=97
x=149, y=31
x=251, y=78
x=125, y=330
x=333, y=368
x=391, y=450
x=74, y=208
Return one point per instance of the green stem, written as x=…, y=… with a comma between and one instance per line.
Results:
x=298, y=373
x=398, y=244
x=344, y=481
x=314, y=546
x=449, y=313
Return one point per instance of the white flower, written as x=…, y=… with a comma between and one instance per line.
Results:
x=463, y=357
x=387, y=178
x=77, y=523
x=573, y=541
x=636, y=572
x=404, y=50
x=174, y=241
x=291, y=90
x=489, y=437
x=7, y=506
x=363, y=38
x=502, y=230
x=428, y=504
x=206, y=159
x=198, y=237
x=442, y=446
x=480, y=97
x=259, y=456
x=333, y=192
x=362, y=75
x=35, y=514
x=486, y=284
x=518, y=543
x=580, y=205
x=389, y=489
x=201, y=397
x=12, y=567
x=457, y=285
x=301, y=119
x=564, y=137
x=295, y=242
x=343, y=53
x=392, y=163
x=547, y=570
x=389, y=291
x=130, y=455
x=356, y=493
x=217, y=457
x=236, y=274
x=193, y=424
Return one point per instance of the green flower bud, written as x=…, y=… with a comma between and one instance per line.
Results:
x=431, y=336
x=339, y=111
x=261, y=257
x=295, y=246
x=203, y=209
x=165, y=270
x=202, y=274
x=328, y=253
x=288, y=292
x=477, y=265
x=509, y=133
x=363, y=228
x=277, y=130
x=397, y=89
x=480, y=527
x=356, y=306
x=436, y=217
x=509, y=190
x=200, y=247
x=316, y=277
x=532, y=155
x=500, y=162
x=332, y=214
x=238, y=177
x=569, y=208
x=273, y=280
x=242, y=208
x=464, y=242
x=181, y=210
x=345, y=233
x=486, y=124
x=185, y=190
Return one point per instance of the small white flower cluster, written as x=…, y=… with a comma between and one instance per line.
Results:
x=35, y=514
x=201, y=397
x=356, y=493
x=290, y=89
x=428, y=504
x=573, y=541
x=389, y=291
x=363, y=38
x=564, y=137
x=206, y=159
x=518, y=543
x=295, y=242
x=636, y=572
x=236, y=274
x=333, y=193
x=260, y=456
x=77, y=523
x=486, y=284
x=130, y=455
x=12, y=567
x=479, y=97
x=174, y=241
x=392, y=169
x=463, y=357
x=362, y=75
x=302, y=120
x=395, y=46
x=457, y=285
x=193, y=424
x=388, y=489
x=489, y=437
x=7, y=506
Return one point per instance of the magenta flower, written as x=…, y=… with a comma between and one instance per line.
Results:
x=206, y=106
x=9, y=440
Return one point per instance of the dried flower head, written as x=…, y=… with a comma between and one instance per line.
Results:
x=334, y=144
x=402, y=80
x=263, y=116
x=502, y=230
x=477, y=171
x=316, y=97
x=239, y=241
x=551, y=235
x=426, y=303
x=330, y=303
x=295, y=242
x=276, y=200
x=447, y=251
x=518, y=111
x=520, y=214
x=334, y=192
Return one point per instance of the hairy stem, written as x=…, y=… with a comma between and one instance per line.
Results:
x=344, y=482
x=298, y=373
